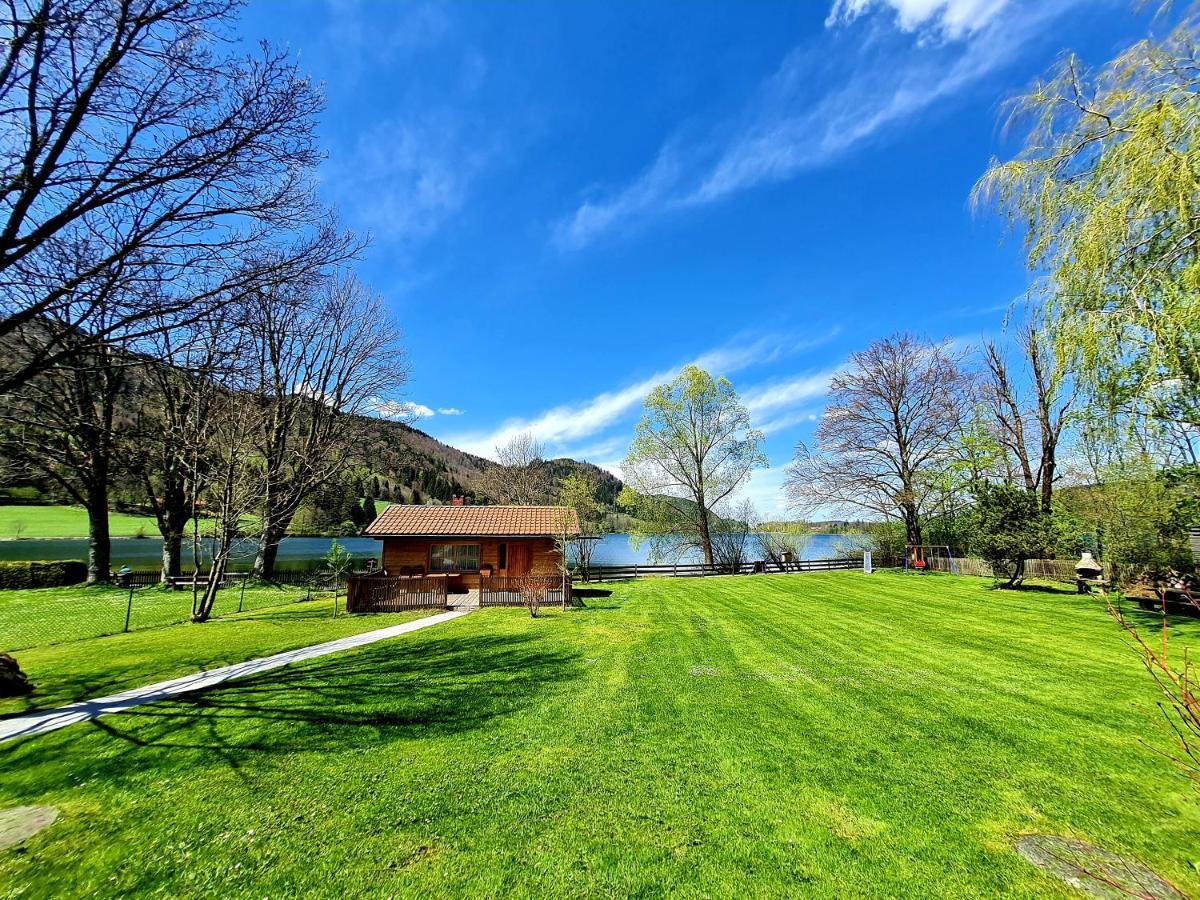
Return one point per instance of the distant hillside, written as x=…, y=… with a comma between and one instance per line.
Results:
x=414, y=467
x=391, y=462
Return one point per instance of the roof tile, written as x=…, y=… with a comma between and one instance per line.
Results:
x=400, y=519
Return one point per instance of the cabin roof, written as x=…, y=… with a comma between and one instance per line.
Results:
x=473, y=521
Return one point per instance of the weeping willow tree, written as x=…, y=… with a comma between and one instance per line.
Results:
x=1106, y=192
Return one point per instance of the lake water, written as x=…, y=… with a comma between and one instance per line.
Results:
x=306, y=552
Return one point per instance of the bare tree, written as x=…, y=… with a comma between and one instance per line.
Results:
x=520, y=475
x=232, y=489
x=887, y=434
x=147, y=172
x=183, y=385
x=779, y=548
x=321, y=360
x=62, y=424
x=733, y=538
x=1030, y=430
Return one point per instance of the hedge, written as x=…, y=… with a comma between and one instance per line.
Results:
x=27, y=574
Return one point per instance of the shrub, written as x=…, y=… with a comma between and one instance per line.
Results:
x=26, y=574
x=1012, y=528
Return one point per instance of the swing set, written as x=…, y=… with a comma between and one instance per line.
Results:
x=922, y=558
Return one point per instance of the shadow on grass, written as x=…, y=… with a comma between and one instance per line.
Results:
x=591, y=592
x=353, y=701
x=1033, y=589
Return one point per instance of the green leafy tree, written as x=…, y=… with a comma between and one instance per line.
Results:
x=579, y=492
x=1107, y=193
x=692, y=449
x=1012, y=528
x=1139, y=515
x=337, y=564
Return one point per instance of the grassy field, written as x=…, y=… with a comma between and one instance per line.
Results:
x=829, y=735
x=275, y=619
x=66, y=522
x=41, y=616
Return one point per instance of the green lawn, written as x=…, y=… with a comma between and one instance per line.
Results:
x=273, y=621
x=829, y=735
x=67, y=522
x=41, y=616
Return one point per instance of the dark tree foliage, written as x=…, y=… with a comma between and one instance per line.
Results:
x=1012, y=528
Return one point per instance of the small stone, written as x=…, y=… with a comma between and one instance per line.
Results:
x=1093, y=870
x=19, y=823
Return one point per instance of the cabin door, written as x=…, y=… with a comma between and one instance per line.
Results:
x=520, y=558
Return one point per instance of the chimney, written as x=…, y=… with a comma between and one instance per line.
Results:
x=458, y=500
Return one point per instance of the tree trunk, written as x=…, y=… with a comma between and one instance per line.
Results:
x=705, y=536
x=1047, y=486
x=912, y=525
x=268, y=551
x=172, y=556
x=203, y=610
x=99, y=545
x=1018, y=574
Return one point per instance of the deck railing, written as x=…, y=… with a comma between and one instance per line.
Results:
x=380, y=593
x=514, y=590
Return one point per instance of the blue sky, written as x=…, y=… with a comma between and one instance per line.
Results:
x=569, y=201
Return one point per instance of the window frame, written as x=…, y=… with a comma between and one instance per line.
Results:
x=454, y=547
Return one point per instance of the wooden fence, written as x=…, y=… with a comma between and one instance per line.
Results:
x=502, y=590
x=379, y=593
x=700, y=570
x=1047, y=569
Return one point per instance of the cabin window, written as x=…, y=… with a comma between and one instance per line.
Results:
x=502, y=561
x=454, y=558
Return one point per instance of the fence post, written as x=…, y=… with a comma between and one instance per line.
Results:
x=242, y=597
x=129, y=607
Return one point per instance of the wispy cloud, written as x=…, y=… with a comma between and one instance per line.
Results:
x=948, y=18
x=571, y=423
x=791, y=125
x=403, y=178
x=403, y=410
x=779, y=405
x=449, y=411
x=771, y=397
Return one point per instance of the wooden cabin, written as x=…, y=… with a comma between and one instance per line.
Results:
x=467, y=542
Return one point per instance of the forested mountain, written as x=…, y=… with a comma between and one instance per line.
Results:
x=392, y=463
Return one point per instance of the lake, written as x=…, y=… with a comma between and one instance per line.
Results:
x=299, y=553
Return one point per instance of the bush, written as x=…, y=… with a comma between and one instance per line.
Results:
x=25, y=574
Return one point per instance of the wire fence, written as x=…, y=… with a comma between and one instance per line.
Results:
x=46, y=616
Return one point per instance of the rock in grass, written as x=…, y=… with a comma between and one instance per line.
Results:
x=19, y=823
x=1093, y=870
x=13, y=682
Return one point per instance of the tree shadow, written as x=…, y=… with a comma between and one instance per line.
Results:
x=591, y=592
x=1016, y=589
x=358, y=700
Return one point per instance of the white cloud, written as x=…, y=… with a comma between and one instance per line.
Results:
x=573, y=422
x=791, y=124
x=449, y=411
x=951, y=18
x=400, y=409
x=764, y=489
x=402, y=178
x=794, y=391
